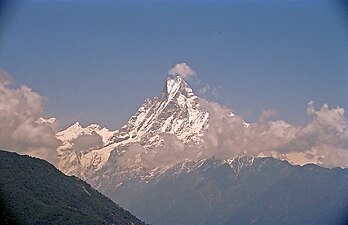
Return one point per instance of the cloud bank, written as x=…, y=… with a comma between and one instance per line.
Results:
x=183, y=70
x=208, y=89
x=323, y=140
x=87, y=142
x=22, y=128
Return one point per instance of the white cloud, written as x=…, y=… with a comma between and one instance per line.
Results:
x=87, y=142
x=5, y=78
x=171, y=152
x=21, y=127
x=183, y=70
x=330, y=118
x=207, y=89
x=215, y=92
x=323, y=140
x=325, y=134
x=268, y=113
x=204, y=89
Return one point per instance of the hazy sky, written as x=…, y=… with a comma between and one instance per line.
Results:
x=96, y=61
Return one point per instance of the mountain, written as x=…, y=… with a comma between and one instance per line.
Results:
x=175, y=118
x=172, y=163
x=32, y=191
x=244, y=190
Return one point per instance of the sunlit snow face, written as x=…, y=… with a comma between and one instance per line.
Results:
x=208, y=129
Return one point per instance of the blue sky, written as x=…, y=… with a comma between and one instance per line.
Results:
x=96, y=61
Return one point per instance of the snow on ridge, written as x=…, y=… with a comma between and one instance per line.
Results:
x=177, y=112
x=240, y=161
x=76, y=130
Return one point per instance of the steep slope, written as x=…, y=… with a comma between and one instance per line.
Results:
x=32, y=191
x=174, y=117
x=244, y=190
x=176, y=111
x=78, y=142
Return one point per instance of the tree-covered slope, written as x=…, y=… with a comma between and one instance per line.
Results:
x=32, y=191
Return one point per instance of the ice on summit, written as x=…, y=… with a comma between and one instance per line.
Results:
x=177, y=111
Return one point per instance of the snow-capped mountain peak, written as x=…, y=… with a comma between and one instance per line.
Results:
x=76, y=130
x=177, y=84
x=177, y=113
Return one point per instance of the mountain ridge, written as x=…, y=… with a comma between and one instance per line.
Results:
x=177, y=119
x=176, y=112
x=238, y=191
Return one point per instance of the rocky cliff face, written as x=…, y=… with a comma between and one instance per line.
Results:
x=176, y=116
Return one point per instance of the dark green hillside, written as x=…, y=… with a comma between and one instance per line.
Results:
x=32, y=191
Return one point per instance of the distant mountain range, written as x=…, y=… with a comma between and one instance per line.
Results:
x=169, y=164
x=32, y=191
x=244, y=190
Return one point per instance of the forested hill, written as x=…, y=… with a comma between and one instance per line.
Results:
x=32, y=191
